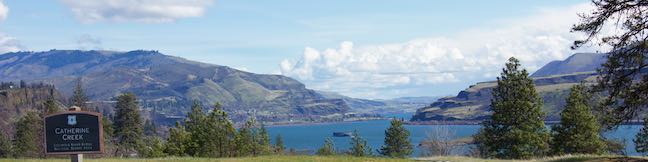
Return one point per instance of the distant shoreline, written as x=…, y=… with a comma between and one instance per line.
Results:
x=286, y=124
x=478, y=122
x=436, y=122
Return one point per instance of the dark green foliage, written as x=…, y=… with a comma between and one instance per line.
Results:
x=177, y=142
x=221, y=133
x=28, y=139
x=328, y=148
x=214, y=135
x=50, y=106
x=359, y=145
x=195, y=125
x=79, y=97
x=211, y=135
x=621, y=77
x=578, y=131
x=108, y=134
x=397, y=142
x=128, y=125
x=516, y=129
x=154, y=147
x=279, y=147
x=641, y=139
x=5, y=146
x=263, y=146
x=248, y=140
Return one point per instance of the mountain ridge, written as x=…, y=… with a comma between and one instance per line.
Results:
x=169, y=84
x=552, y=83
x=578, y=62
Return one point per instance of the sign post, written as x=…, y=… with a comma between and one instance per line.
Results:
x=73, y=133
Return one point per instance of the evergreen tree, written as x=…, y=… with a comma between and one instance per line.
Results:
x=154, y=147
x=128, y=125
x=28, y=139
x=359, y=145
x=5, y=146
x=195, y=125
x=246, y=139
x=578, y=131
x=108, y=134
x=50, y=106
x=177, y=141
x=263, y=141
x=79, y=97
x=621, y=77
x=516, y=129
x=279, y=147
x=641, y=139
x=221, y=133
x=328, y=148
x=397, y=142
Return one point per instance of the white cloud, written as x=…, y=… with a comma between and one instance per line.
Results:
x=390, y=69
x=7, y=43
x=4, y=11
x=89, y=42
x=148, y=11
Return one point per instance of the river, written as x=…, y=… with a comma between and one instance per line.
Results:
x=311, y=137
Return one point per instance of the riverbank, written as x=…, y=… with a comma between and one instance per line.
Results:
x=478, y=122
x=350, y=120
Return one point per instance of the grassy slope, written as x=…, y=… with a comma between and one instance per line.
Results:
x=582, y=158
x=569, y=158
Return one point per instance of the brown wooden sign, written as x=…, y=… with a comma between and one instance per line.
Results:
x=73, y=132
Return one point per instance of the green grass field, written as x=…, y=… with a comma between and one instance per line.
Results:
x=579, y=158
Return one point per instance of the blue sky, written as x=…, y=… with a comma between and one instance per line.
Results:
x=364, y=48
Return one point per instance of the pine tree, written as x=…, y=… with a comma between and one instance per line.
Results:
x=195, y=126
x=641, y=139
x=359, y=145
x=154, y=147
x=79, y=97
x=279, y=147
x=621, y=77
x=578, y=131
x=177, y=141
x=516, y=129
x=263, y=141
x=246, y=139
x=5, y=146
x=108, y=134
x=28, y=139
x=328, y=148
x=221, y=132
x=397, y=142
x=50, y=106
x=128, y=125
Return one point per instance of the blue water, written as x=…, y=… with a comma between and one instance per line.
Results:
x=311, y=137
